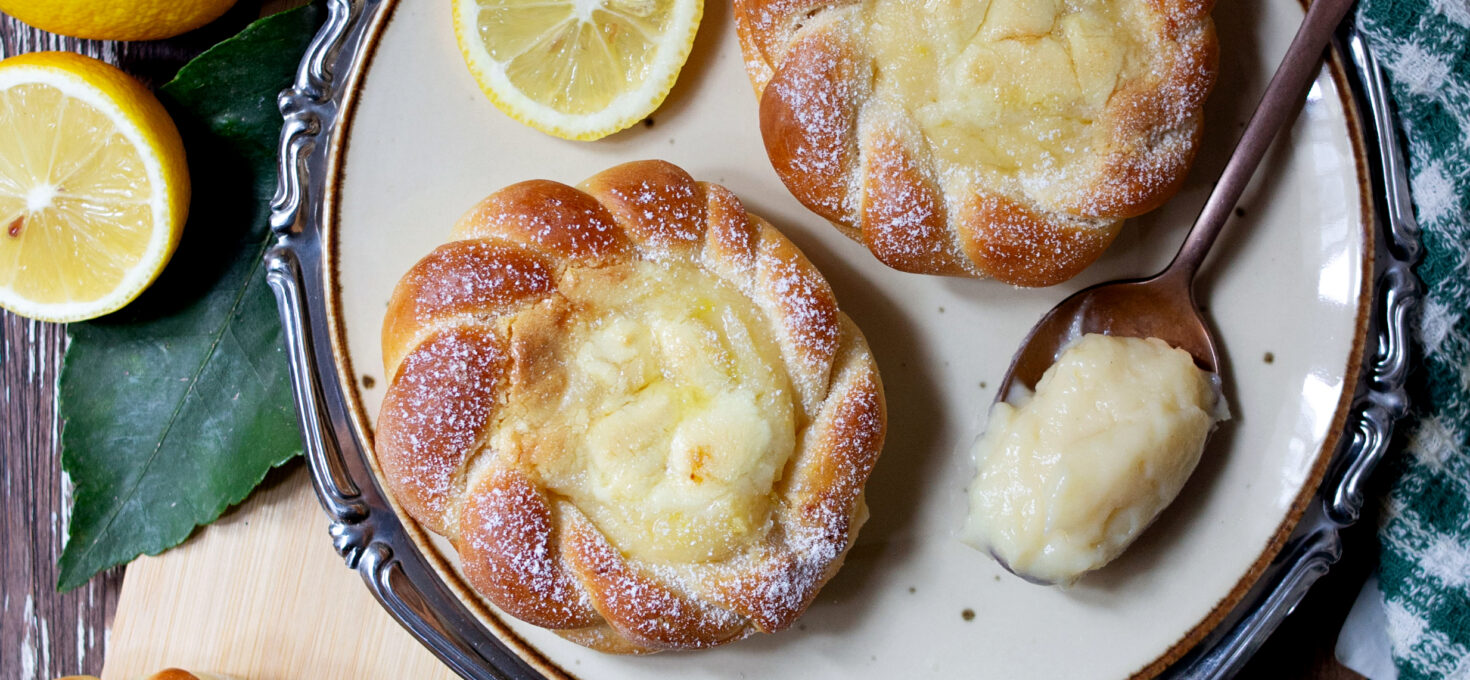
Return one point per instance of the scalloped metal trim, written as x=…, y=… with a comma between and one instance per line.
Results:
x=371, y=539
x=363, y=529
x=1315, y=545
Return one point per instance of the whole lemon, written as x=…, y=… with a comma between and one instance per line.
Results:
x=116, y=19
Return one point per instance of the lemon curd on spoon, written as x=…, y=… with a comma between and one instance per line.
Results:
x=1070, y=477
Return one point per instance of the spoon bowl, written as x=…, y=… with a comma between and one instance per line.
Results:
x=1163, y=306
x=1160, y=307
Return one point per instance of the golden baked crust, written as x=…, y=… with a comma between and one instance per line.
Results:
x=844, y=132
x=483, y=338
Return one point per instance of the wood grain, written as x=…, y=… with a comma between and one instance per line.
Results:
x=307, y=616
x=42, y=634
x=45, y=634
x=49, y=633
x=261, y=594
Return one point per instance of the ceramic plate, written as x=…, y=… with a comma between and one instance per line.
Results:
x=415, y=143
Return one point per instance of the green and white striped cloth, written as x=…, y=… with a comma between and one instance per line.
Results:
x=1424, y=570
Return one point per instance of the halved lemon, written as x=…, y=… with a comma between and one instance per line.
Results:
x=94, y=187
x=577, y=69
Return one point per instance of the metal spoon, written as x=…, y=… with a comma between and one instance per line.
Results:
x=1163, y=306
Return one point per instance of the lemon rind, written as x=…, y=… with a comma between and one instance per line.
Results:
x=115, y=21
x=162, y=241
x=625, y=111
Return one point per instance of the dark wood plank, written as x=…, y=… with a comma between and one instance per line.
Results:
x=45, y=634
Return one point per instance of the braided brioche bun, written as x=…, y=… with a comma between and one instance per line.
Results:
x=995, y=138
x=634, y=409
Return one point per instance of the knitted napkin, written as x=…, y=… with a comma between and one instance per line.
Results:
x=1424, y=569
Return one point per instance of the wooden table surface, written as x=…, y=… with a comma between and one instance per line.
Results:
x=45, y=634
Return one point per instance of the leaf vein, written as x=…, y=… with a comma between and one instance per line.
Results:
x=173, y=417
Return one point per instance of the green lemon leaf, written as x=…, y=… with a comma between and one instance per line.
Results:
x=176, y=407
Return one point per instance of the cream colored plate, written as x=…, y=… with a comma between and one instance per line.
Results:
x=423, y=145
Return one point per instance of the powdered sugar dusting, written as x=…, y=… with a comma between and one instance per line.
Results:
x=1010, y=238
x=547, y=563
x=1127, y=179
x=646, y=609
x=551, y=217
x=815, y=95
x=803, y=304
x=903, y=218
x=823, y=502
x=434, y=415
x=506, y=544
x=571, y=229
x=818, y=104
x=730, y=240
x=467, y=276
x=660, y=215
x=1123, y=137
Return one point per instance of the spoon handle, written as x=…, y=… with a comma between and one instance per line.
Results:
x=1283, y=93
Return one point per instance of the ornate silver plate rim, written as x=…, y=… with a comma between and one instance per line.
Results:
x=373, y=541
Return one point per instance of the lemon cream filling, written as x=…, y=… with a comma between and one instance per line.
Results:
x=658, y=406
x=1069, y=478
x=1013, y=85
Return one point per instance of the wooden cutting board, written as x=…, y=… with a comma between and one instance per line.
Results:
x=260, y=595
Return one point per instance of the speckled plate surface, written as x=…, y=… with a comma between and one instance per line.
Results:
x=404, y=142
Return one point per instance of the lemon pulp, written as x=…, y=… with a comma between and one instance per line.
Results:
x=74, y=199
x=94, y=187
x=578, y=69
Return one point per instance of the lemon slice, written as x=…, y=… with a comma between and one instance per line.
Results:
x=94, y=187
x=577, y=69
